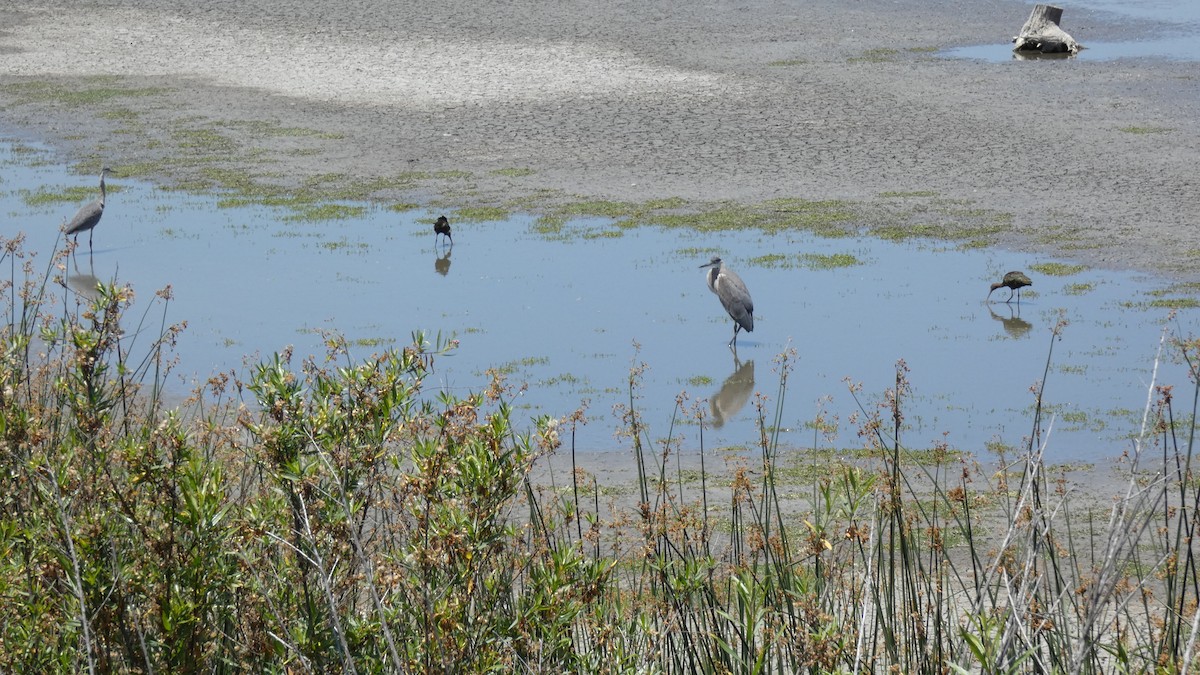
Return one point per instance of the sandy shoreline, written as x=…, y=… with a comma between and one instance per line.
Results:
x=643, y=101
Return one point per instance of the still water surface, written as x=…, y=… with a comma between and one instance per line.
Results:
x=1176, y=32
x=564, y=313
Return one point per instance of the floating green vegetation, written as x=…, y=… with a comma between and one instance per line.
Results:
x=698, y=252
x=513, y=366
x=1145, y=130
x=480, y=214
x=878, y=55
x=1185, y=287
x=1057, y=269
x=69, y=195
x=602, y=233
x=1079, y=419
x=549, y=226
x=316, y=212
x=818, y=261
x=783, y=63
x=403, y=207
x=42, y=92
x=907, y=195
x=23, y=149
x=1078, y=289
x=700, y=381
x=514, y=172
x=344, y=244
x=1174, y=303
x=562, y=378
x=771, y=261
x=174, y=233
x=374, y=342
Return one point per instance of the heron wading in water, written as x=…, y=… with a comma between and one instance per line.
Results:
x=730, y=288
x=89, y=214
x=440, y=227
x=1014, y=282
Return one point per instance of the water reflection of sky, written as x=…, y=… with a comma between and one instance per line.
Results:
x=564, y=314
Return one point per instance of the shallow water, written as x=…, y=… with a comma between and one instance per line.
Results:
x=1177, y=39
x=563, y=313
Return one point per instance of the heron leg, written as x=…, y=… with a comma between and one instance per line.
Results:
x=1010, y=296
x=736, y=328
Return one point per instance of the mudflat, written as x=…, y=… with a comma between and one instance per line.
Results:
x=742, y=101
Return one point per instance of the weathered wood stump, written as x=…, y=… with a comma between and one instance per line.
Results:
x=1041, y=33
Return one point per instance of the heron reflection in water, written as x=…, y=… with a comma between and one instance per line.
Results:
x=85, y=285
x=734, y=392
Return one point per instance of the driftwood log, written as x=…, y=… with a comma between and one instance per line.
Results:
x=1041, y=33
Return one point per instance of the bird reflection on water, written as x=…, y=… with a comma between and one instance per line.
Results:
x=85, y=285
x=1014, y=325
x=734, y=392
x=442, y=264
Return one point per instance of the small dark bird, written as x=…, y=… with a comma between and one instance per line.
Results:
x=1014, y=282
x=734, y=297
x=89, y=215
x=442, y=226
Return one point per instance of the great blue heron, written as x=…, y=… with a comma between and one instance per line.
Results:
x=733, y=294
x=442, y=226
x=89, y=214
x=1014, y=282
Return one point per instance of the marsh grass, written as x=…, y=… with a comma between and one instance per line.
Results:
x=331, y=514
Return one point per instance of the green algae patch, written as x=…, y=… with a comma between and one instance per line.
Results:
x=319, y=212
x=818, y=261
x=104, y=91
x=1140, y=131
x=1057, y=269
x=514, y=172
x=814, y=261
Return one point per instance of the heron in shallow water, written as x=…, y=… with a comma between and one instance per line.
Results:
x=1014, y=282
x=89, y=214
x=733, y=294
x=442, y=226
